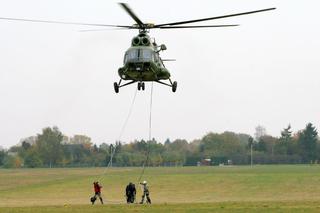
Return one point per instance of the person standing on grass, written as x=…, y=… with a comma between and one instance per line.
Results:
x=97, y=192
x=131, y=192
x=145, y=192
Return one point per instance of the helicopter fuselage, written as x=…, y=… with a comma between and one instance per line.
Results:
x=142, y=61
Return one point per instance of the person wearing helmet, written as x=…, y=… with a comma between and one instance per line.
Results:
x=97, y=192
x=145, y=192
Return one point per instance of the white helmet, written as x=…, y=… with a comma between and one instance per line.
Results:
x=144, y=182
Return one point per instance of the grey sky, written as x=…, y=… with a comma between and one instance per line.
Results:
x=264, y=72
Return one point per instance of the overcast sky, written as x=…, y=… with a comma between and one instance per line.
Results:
x=265, y=71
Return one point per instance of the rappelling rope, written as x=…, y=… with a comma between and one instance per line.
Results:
x=129, y=114
x=119, y=138
x=150, y=114
x=149, y=141
x=122, y=130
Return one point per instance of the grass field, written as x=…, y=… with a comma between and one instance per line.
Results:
x=293, y=188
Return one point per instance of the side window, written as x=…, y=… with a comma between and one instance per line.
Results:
x=158, y=60
x=156, y=57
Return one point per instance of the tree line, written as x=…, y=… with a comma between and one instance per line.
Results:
x=53, y=149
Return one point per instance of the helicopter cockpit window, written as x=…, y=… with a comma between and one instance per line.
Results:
x=147, y=55
x=135, y=55
x=131, y=55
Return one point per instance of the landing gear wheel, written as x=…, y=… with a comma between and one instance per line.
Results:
x=142, y=86
x=116, y=87
x=174, y=86
x=139, y=85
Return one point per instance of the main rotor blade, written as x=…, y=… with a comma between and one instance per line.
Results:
x=61, y=22
x=131, y=13
x=199, y=26
x=106, y=29
x=217, y=17
x=168, y=59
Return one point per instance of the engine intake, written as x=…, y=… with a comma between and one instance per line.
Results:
x=136, y=41
x=145, y=41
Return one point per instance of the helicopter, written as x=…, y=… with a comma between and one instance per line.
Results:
x=142, y=62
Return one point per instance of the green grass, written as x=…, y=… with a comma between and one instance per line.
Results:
x=180, y=189
x=203, y=207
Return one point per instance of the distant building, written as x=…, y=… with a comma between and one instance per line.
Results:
x=80, y=139
x=204, y=162
x=65, y=140
x=13, y=154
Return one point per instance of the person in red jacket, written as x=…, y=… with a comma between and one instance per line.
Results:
x=97, y=192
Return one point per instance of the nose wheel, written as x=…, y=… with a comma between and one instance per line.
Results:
x=174, y=86
x=116, y=87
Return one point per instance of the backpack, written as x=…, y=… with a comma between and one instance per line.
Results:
x=93, y=199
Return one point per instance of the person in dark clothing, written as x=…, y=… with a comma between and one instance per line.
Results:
x=131, y=193
x=97, y=192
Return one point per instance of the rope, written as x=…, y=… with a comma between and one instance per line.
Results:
x=119, y=138
x=150, y=129
x=122, y=131
x=129, y=114
x=150, y=114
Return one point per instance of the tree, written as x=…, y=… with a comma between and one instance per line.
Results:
x=267, y=144
x=12, y=161
x=3, y=155
x=32, y=159
x=173, y=158
x=104, y=147
x=285, y=141
x=223, y=146
x=49, y=146
x=25, y=145
x=308, y=143
x=250, y=142
x=23, y=150
x=167, y=142
x=244, y=138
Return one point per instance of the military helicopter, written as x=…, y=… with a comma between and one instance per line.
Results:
x=142, y=61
